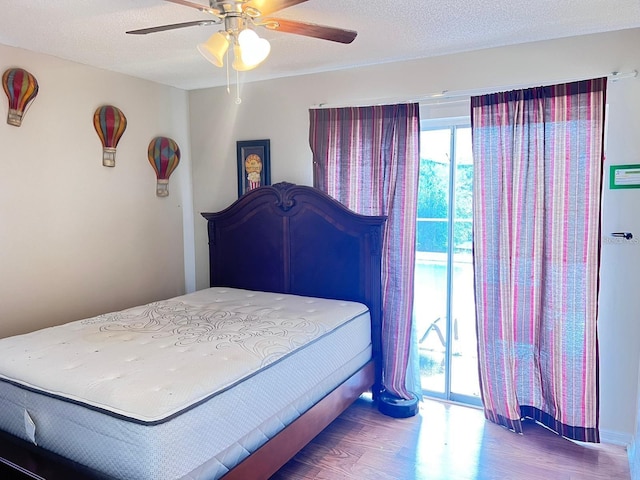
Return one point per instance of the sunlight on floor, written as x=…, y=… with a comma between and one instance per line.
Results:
x=444, y=436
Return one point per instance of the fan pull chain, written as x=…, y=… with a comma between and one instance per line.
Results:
x=238, y=99
x=228, y=82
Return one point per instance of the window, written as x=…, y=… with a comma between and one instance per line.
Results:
x=444, y=308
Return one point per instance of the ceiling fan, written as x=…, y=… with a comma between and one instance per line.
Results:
x=239, y=18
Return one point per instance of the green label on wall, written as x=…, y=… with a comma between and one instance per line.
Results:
x=624, y=176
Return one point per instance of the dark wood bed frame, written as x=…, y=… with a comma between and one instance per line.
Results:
x=283, y=238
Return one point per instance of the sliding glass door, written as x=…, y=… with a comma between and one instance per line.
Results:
x=444, y=303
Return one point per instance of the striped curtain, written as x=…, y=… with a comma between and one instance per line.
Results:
x=367, y=158
x=538, y=157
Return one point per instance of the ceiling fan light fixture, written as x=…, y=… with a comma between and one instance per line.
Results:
x=253, y=49
x=238, y=64
x=215, y=48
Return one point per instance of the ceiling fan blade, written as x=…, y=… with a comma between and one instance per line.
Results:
x=310, y=30
x=267, y=7
x=197, y=6
x=173, y=26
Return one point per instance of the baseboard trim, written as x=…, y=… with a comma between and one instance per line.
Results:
x=616, y=438
x=633, y=461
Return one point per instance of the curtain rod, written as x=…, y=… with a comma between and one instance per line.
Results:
x=446, y=96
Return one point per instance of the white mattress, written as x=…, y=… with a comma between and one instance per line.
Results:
x=161, y=391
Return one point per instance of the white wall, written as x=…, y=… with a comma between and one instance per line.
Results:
x=278, y=110
x=76, y=238
x=634, y=449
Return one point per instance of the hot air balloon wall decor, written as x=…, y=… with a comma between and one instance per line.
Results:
x=21, y=88
x=110, y=123
x=164, y=156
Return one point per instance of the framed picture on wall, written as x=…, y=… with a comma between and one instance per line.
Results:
x=254, y=169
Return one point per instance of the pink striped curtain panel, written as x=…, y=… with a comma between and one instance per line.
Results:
x=367, y=158
x=538, y=157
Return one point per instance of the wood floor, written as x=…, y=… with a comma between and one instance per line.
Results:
x=447, y=442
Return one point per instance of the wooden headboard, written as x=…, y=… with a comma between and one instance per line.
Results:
x=296, y=239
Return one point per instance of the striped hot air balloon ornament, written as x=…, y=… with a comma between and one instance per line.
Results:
x=110, y=123
x=164, y=156
x=21, y=88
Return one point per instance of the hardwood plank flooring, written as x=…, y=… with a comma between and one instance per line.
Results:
x=447, y=442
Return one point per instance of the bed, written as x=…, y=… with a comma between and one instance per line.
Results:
x=293, y=314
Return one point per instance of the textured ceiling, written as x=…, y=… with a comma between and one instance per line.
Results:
x=92, y=32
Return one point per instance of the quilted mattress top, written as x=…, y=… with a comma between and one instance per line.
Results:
x=152, y=362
